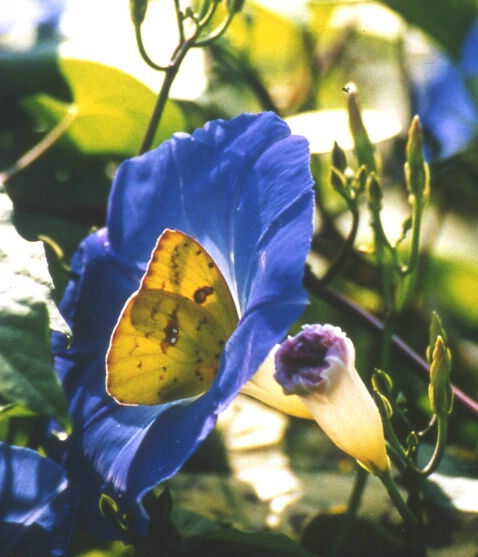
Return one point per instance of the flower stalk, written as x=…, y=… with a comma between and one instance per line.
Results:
x=40, y=148
x=200, y=21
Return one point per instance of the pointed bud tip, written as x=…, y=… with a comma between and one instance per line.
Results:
x=350, y=88
x=138, y=11
x=235, y=6
x=440, y=391
x=415, y=138
x=339, y=158
x=373, y=191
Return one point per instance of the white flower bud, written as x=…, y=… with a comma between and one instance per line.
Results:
x=318, y=365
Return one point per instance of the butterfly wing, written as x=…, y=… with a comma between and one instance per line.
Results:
x=168, y=340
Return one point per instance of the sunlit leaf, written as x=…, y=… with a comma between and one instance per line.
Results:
x=276, y=47
x=110, y=111
x=15, y=411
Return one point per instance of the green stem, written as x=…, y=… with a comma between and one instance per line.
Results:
x=384, y=253
x=178, y=56
x=218, y=32
x=205, y=18
x=442, y=433
x=352, y=509
x=341, y=257
x=415, y=240
x=410, y=520
x=163, y=96
x=395, y=444
x=396, y=458
x=387, y=339
x=40, y=148
x=144, y=54
x=179, y=20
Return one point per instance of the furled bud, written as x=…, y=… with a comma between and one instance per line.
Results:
x=440, y=391
x=138, y=11
x=339, y=158
x=416, y=169
x=374, y=193
x=235, y=6
x=338, y=181
x=318, y=365
x=364, y=148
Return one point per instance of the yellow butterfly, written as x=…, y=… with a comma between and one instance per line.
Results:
x=169, y=337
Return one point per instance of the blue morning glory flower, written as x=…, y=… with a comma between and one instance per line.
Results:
x=446, y=99
x=242, y=188
x=37, y=505
x=21, y=17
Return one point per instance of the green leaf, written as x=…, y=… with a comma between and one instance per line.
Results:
x=110, y=111
x=15, y=411
x=252, y=58
x=365, y=537
x=61, y=238
x=27, y=377
x=447, y=21
x=26, y=372
x=203, y=536
x=229, y=541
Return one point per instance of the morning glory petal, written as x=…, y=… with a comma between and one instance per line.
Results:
x=241, y=188
x=37, y=505
x=449, y=114
x=444, y=99
x=469, y=60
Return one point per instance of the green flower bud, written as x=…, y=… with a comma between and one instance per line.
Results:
x=361, y=178
x=339, y=159
x=416, y=169
x=137, y=10
x=374, y=193
x=440, y=391
x=364, y=149
x=338, y=181
x=436, y=330
x=235, y=6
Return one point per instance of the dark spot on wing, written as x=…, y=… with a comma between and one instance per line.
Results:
x=202, y=293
